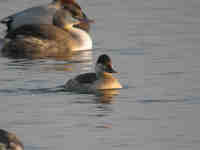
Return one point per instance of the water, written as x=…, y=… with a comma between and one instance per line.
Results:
x=154, y=44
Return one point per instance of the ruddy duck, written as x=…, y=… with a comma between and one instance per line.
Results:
x=102, y=79
x=10, y=141
x=44, y=15
x=45, y=40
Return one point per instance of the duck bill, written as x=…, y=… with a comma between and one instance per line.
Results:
x=86, y=20
x=110, y=69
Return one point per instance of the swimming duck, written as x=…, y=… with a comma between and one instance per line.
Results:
x=102, y=79
x=45, y=40
x=44, y=15
x=10, y=141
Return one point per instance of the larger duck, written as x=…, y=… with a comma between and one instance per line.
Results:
x=46, y=40
x=43, y=14
x=9, y=141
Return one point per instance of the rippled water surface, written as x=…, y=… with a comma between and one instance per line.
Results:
x=154, y=44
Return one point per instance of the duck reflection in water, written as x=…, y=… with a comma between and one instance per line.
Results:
x=106, y=96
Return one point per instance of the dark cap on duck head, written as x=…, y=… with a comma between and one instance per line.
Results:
x=103, y=59
x=106, y=62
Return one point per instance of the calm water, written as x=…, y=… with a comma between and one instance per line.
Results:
x=154, y=44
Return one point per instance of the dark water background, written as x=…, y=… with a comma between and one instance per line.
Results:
x=154, y=44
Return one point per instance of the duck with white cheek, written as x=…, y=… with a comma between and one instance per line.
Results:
x=101, y=79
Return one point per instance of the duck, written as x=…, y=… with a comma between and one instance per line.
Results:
x=46, y=40
x=101, y=79
x=10, y=141
x=44, y=15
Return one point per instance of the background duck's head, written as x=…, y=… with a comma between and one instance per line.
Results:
x=71, y=6
x=76, y=11
x=66, y=20
x=104, y=65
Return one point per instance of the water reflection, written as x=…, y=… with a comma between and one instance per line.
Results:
x=82, y=56
x=106, y=96
x=32, y=91
x=100, y=96
x=58, y=64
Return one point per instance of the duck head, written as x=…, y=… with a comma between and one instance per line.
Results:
x=76, y=11
x=104, y=65
x=66, y=20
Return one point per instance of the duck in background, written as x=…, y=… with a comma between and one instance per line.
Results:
x=101, y=79
x=44, y=15
x=46, y=40
x=9, y=141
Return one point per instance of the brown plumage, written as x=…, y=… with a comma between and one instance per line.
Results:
x=39, y=41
